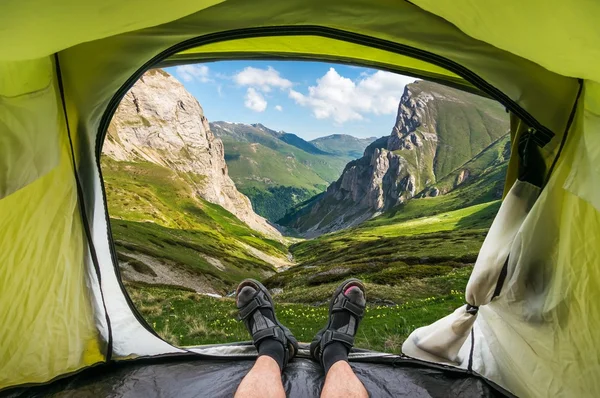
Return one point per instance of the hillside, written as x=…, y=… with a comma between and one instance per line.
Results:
x=442, y=138
x=415, y=271
x=167, y=235
x=276, y=170
x=177, y=217
x=343, y=145
x=425, y=249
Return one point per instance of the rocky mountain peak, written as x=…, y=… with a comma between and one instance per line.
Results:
x=412, y=114
x=159, y=121
x=437, y=130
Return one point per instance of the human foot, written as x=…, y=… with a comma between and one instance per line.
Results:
x=270, y=337
x=346, y=309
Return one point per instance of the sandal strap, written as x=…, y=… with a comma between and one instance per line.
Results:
x=257, y=302
x=331, y=336
x=274, y=332
x=347, y=305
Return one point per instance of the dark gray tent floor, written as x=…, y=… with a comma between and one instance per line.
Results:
x=187, y=377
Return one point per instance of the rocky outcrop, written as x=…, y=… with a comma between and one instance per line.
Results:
x=437, y=130
x=158, y=121
x=462, y=176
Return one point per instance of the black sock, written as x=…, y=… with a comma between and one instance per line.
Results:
x=333, y=353
x=272, y=348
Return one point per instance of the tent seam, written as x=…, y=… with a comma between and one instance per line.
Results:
x=82, y=210
x=565, y=135
x=470, y=365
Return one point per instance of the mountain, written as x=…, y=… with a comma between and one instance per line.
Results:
x=439, y=134
x=158, y=121
x=276, y=170
x=177, y=216
x=343, y=145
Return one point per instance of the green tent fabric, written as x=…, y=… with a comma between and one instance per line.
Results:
x=65, y=64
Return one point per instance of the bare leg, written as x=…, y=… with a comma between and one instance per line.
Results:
x=342, y=382
x=263, y=380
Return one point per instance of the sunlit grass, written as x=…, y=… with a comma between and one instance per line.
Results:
x=191, y=319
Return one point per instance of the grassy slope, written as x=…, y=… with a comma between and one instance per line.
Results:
x=412, y=256
x=187, y=318
x=182, y=228
x=154, y=212
x=276, y=171
x=422, y=249
x=252, y=152
x=415, y=272
x=343, y=145
x=493, y=158
x=258, y=165
x=466, y=124
x=488, y=171
x=471, y=134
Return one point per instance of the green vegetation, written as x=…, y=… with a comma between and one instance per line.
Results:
x=189, y=250
x=455, y=139
x=415, y=259
x=155, y=213
x=403, y=260
x=486, y=188
x=343, y=145
x=465, y=124
x=488, y=167
x=414, y=270
x=274, y=202
x=189, y=319
x=277, y=170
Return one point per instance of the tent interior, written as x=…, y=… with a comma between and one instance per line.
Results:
x=529, y=325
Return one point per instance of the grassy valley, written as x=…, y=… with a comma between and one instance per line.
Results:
x=343, y=145
x=415, y=272
x=278, y=170
x=415, y=260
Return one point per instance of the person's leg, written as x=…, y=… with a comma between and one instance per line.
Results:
x=263, y=380
x=331, y=346
x=342, y=382
x=274, y=342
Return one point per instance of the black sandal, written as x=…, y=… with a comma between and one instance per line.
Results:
x=339, y=302
x=262, y=299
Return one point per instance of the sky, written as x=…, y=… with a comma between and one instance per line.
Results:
x=310, y=99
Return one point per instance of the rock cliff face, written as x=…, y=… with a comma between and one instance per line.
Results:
x=437, y=130
x=158, y=121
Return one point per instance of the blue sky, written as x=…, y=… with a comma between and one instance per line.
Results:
x=310, y=99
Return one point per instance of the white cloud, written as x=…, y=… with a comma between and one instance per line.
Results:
x=255, y=101
x=342, y=99
x=261, y=79
x=190, y=73
x=278, y=108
